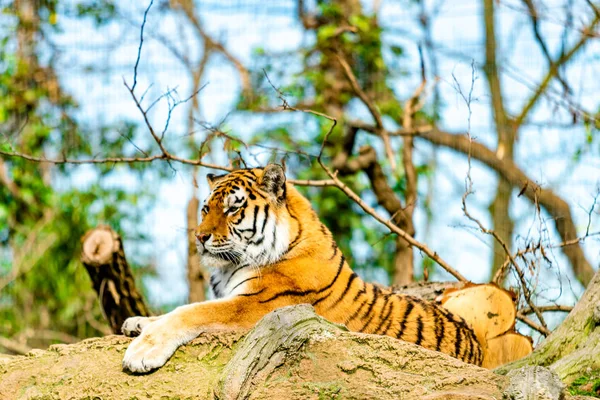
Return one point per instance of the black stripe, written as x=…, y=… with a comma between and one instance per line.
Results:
x=310, y=291
x=353, y=276
x=335, y=249
x=214, y=287
x=361, y=291
x=334, y=253
x=257, y=241
x=245, y=280
x=235, y=271
x=236, y=233
x=407, y=311
x=257, y=193
x=355, y=313
x=323, y=229
x=251, y=294
x=419, y=331
x=375, y=298
x=440, y=327
x=295, y=241
x=321, y=299
x=256, y=209
x=242, y=216
x=367, y=323
x=458, y=341
x=262, y=230
x=385, y=330
x=469, y=354
x=214, y=283
x=384, y=317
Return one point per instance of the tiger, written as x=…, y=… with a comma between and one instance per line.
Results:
x=266, y=248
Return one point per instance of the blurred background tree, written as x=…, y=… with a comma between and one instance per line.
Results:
x=514, y=77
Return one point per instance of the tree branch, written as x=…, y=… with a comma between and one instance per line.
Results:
x=558, y=209
x=554, y=68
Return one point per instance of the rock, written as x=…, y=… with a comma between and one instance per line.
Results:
x=291, y=354
x=534, y=383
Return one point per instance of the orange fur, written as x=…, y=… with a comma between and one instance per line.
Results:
x=311, y=269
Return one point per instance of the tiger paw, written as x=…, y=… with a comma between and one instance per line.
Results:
x=133, y=326
x=155, y=345
x=148, y=352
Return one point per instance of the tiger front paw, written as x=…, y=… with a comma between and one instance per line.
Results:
x=155, y=345
x=133, y=326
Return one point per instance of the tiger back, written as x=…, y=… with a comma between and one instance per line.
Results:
x=264, y=241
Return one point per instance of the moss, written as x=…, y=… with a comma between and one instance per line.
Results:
x=586, y=385
x=590, y=325
x=326, y=390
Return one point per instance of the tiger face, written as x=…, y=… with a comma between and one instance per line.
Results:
x=243, y=219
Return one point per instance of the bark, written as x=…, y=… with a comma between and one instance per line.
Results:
x=292, y=353
x=427, y=290
x=573, y=349
x=105, y=262
x=195, y=273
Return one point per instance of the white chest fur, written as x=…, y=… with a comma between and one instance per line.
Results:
x=233, y=281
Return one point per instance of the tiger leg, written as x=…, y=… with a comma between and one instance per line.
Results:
x=160, y=339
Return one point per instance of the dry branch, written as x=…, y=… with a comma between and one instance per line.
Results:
x=369, y=210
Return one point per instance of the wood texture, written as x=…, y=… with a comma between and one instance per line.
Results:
x=105, y=262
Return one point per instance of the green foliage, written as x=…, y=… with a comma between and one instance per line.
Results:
x=586, y=385
x=101, y=12
x=43, y=215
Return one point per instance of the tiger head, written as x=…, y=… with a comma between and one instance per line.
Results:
x=244, y=218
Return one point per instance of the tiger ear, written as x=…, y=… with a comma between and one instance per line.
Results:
x=273, y=181
x=212, y=180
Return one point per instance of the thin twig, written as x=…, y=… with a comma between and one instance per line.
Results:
x=555, y=307
x=139, y=53
x=541, y=329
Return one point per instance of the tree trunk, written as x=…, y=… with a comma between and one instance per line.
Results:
x=573, y=349
x=195, y=272
x=104, y=259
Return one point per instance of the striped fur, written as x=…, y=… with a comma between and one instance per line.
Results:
x=267, y=248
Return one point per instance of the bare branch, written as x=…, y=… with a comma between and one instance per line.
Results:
x=554, y=68
x=369, y=210
x=139, y=53
x=188, y=8
x=555, y=307
x=541, y=329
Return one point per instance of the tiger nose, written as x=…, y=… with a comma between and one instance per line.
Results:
x=202, y=237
